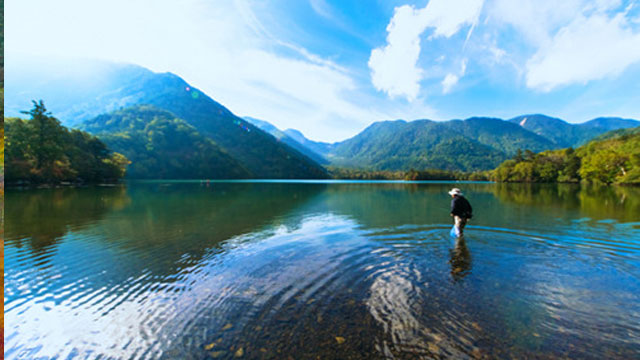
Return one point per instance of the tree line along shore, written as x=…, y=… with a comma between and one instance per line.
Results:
x=40, y=150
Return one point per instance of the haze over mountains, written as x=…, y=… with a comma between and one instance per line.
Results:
x=155, y=117
x=98, y=88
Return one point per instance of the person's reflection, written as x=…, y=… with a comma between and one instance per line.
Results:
x=460, y=260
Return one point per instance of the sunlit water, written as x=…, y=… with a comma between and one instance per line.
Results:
x=321, y=270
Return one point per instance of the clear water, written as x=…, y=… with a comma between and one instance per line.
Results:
x=321, y=270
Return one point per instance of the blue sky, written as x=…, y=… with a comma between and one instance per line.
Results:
x=331, y=68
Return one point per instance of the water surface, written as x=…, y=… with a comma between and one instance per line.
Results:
x=327, y=270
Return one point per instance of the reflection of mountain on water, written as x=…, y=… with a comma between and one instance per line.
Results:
x=164, y=222
x=388, y=205
x=175, y=221
x=380, y=206
x=507, y=206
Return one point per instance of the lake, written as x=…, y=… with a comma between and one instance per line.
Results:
x=328, y=270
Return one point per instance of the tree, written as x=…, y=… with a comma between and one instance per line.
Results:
x=524, y=171
x=46, y=135
x=40, y=150
x=603, y=166
x=518, y=156
x=529, y=155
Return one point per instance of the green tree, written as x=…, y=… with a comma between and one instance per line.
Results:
x=523, y=171
x=603, y=166
x=40, y=150
x=46, y=143
x=518, y=156
x=615, y=158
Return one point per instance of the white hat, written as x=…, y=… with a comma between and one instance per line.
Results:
x=455, y=191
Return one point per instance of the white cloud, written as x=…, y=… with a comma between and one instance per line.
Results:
x=535, y=19
x=569, y=42
x=589, y=48
x=393, y=67
x=322, y=8
x=451, y=79
x=220, y=47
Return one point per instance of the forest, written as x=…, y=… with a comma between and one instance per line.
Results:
x=341, y=173
x=161, y=146
x=42, y=151
x=613, y=158
x=39, y=150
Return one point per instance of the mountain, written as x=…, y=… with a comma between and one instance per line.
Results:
x=318, y=147
x=472, y=144
x=611, y=123
x=82, y=91
x=618, y=133
x=563, y=134
x=74, y=91
x=289, y=140
x=161, y=146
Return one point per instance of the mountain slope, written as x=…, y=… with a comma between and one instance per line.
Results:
x=161, y=146
x=563, y=134
x=283, y=137
x=97, y=88
x=260, y=152
x=610, y=123
x=560, y=132
x=74, y=91
x=472, y=144
x=318, y=147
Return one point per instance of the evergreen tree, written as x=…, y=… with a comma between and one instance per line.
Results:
x=40, y=150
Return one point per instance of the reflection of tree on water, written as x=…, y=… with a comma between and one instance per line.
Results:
x=598, y=202
x=460, y=260
x=40, y=218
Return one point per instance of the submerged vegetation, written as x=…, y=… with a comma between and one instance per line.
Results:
x=614, y=158
x=42, y=151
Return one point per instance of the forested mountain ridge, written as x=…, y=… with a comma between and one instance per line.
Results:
x=81, y=92
x=472, y=144
x=285, y=138
x=256, y=150
x=99, y=88
x=564, y=134
x=611, y=123
x=162, y=146
x=458, y=145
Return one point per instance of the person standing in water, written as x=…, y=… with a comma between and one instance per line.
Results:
x=460, y=210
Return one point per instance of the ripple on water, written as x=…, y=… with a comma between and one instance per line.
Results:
x=331, y=288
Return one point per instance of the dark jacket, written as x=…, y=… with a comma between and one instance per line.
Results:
x=461, y=207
